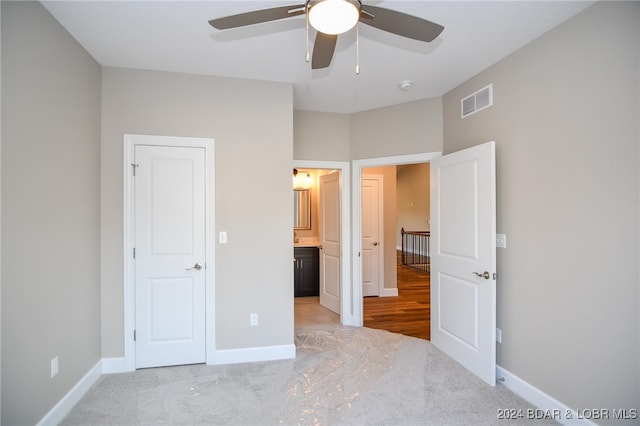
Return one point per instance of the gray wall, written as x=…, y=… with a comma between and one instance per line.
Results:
x=411, y=128
x=565, y=122
x=50, y=211
x=320, y=136
x=251, y=123
x=413, y=203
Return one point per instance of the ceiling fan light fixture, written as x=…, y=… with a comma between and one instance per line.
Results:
x=334, y=16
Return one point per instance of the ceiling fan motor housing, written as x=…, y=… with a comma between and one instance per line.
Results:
x=356, y=3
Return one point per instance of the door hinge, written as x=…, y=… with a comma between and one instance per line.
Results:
x=133, y=168
x=134, y=335
x=134, y=252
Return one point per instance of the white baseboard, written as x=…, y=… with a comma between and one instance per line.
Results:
x=388, y=292
x=232, y=356
x=239, y=356
x=546, y=404
x=113, y=365
x=118, y=365
x=64, y=406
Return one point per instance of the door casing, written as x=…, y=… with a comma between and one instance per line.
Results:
x=129, y=142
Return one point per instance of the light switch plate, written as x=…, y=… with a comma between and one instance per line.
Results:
x=223, y=237
x=501, y=240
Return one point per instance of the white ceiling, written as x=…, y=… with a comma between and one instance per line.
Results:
x=175, y=36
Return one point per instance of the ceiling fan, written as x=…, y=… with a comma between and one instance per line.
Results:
x=333, y=17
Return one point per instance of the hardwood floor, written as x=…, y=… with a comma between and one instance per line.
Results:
x=410, y=312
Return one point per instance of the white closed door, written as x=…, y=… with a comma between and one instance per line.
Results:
x=330, y=270
x=463, y=258
x=169, y=236
x=371, y=235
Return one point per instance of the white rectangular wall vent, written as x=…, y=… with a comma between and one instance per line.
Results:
x=477, y=101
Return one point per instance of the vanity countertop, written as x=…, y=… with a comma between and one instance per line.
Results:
x=307, y=244
x=306, y=241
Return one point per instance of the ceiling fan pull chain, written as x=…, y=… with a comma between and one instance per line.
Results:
x=358, y=47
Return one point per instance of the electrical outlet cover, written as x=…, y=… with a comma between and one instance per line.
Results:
x=55, y=367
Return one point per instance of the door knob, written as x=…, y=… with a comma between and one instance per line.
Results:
x=197, y=267
x=484, y=274
x=375, y=244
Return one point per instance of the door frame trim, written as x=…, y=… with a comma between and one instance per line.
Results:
x=356, y=208
x=346, y=304
x=130, y=141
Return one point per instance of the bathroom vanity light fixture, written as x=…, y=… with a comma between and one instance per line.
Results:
x=301, y=180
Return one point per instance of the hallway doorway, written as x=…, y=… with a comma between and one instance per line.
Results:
x=408, y=312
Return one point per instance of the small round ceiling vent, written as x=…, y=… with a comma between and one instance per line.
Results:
x=406, y=84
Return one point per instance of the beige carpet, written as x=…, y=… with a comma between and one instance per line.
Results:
x=341, y=376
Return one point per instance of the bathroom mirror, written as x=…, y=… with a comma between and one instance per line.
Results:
x=301, y=209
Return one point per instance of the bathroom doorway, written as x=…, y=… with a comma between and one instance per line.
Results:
x=324, y=241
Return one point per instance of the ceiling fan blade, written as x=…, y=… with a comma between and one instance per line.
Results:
x=323, y=49
x=257, y=17
x=400, y=23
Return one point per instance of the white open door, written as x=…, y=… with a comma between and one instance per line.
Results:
x=330, y=271
x=372, y=231
x=463, y=258
x=169, y=255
